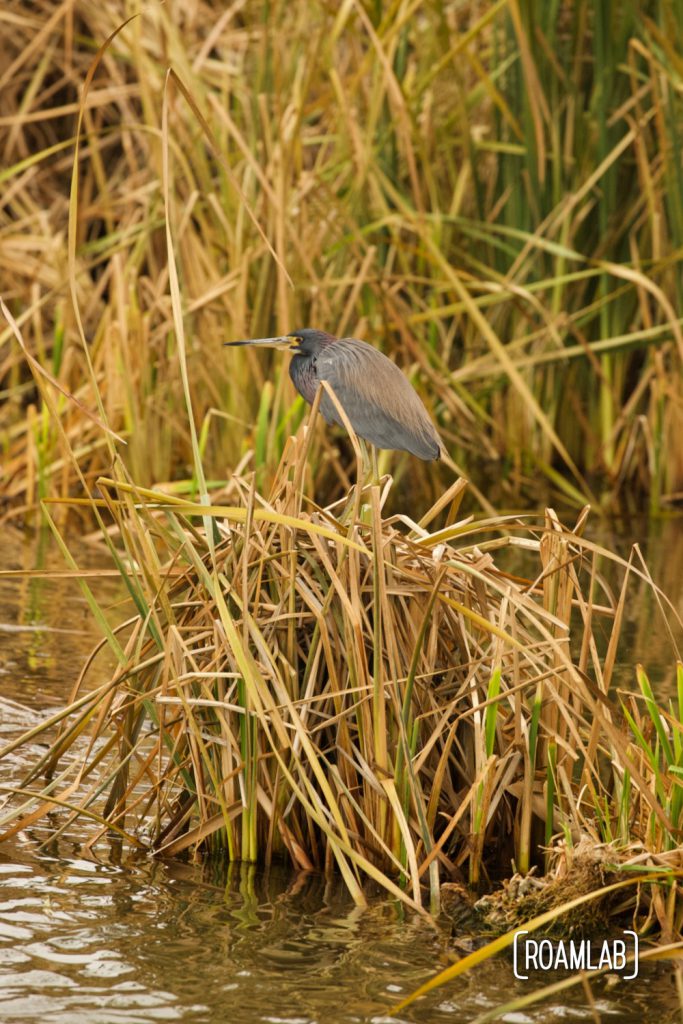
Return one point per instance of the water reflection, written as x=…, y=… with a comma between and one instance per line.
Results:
x=46, y=627
x=86, y=942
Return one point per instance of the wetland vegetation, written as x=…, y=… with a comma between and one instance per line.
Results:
x=351, y=679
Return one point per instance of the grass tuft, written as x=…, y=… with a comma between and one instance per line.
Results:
x=336, y=686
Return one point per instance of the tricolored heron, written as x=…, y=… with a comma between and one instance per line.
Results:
x=380, y=404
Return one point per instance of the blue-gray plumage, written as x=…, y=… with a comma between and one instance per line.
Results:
x=380, y=403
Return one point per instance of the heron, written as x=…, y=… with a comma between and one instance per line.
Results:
x=379, y=402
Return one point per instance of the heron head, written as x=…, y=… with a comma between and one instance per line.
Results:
x=307, y=341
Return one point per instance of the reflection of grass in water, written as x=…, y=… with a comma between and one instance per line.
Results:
x=444, y=183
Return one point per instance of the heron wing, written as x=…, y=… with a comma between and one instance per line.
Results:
x=380, y=403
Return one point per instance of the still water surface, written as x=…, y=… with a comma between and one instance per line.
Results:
x=99, y=939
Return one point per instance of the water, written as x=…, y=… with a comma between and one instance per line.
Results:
x=102, y=937
x=84, y=942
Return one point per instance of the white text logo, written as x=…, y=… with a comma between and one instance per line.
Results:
x=529, y=954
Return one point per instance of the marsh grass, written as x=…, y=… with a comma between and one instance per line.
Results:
x=492, y=197
x=354, y=691
x=334, y=683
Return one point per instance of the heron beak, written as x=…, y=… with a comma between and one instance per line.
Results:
x=285, y=342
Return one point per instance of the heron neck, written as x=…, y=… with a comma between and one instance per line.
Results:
x=304, y=377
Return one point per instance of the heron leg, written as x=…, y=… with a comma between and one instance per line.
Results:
x=365, y=461
x=368, y=476
x=370, y=470
x=374, y=474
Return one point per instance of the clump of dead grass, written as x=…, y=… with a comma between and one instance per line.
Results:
x=577, y=871
x=349, y=690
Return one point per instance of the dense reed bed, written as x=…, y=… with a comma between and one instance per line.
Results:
x=351, y=690
x=489, y=193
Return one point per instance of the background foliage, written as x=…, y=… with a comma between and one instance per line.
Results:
x=492, y=193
